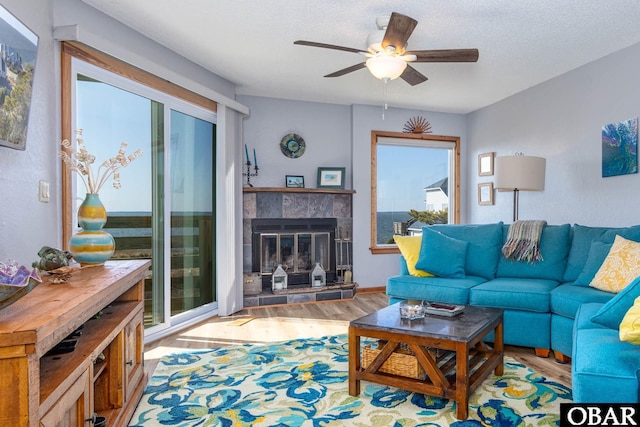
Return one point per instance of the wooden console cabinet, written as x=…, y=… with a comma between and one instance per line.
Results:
x=103, y=375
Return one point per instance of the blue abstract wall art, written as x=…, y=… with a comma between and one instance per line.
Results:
x=620, y=148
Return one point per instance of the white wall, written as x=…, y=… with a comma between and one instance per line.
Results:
x=325, y=129
x=561, y=120
x=336, y=135
x=372, y=270
x=25, y=223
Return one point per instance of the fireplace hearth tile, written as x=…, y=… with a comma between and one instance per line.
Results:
x=328, y=296
x=342, y=206
x=246, y=231
x=298, y=298
x=295, y=205
x=246, y=258
x=273, y=299
x=268, y=205
x=347, y=293
x=251, y=302
x=249, y=205
x=321, y=205
x=336, y=292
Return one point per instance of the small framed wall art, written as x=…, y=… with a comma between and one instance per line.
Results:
x=294, y=181
x=485, y=193
x=331, y=177
x=485, y=164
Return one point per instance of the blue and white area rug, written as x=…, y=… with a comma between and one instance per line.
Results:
x=304, y=382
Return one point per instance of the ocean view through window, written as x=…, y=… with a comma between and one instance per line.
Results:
x=414, y=183
x=165, y=210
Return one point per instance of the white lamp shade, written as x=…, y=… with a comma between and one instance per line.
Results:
x=386, y=66
x=524, y=173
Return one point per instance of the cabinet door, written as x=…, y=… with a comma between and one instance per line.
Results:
x=73, y=409
x=133, y=354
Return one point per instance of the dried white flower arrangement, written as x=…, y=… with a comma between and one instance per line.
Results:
x=80, y=160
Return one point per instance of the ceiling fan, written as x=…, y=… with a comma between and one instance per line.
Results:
x=388, y=58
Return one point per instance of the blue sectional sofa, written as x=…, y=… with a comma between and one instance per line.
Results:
x=540, y=300
x=603, y=367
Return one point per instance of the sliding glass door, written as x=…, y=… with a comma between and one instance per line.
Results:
x=165, y=207
x=192, y=221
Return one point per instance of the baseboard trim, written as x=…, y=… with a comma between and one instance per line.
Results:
x=371, y=290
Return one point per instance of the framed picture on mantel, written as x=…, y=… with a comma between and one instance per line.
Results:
x=331, y=177
x=294, y=181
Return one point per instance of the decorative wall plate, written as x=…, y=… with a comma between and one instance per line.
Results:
x=292, y=146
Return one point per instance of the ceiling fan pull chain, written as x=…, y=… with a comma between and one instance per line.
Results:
x=384, y=96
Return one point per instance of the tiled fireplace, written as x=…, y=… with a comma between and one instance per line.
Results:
x=296, y=228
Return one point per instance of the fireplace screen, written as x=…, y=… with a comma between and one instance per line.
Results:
x=297, y=252
x=296, y=243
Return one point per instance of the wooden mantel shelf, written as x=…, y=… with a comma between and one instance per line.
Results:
x=296, y=190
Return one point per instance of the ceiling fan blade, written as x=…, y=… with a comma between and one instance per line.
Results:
x=445, y=55
x=328, y=46
x=412, y=76
x=398, y=31
x=347, y=70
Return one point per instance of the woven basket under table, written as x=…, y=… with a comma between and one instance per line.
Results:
x=401, y=362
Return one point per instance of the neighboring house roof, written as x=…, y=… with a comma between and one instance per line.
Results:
x=417, y=226
x=443, y=185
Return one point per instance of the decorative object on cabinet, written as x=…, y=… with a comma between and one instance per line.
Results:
x=620, y=148
x=485, y=164
x=294, y=181
x=51, y=259
x=19, y=52
x=15, y=282
x=80, y=161
x=485, y=193
x=92, y=245
x=331, y=177
x=417, y=124
x=292, y=145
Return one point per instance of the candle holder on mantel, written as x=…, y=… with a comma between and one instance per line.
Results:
x=249, y=174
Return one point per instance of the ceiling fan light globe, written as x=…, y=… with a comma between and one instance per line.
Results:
x=386, y=67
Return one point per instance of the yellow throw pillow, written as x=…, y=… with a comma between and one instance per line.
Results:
x=620, y=267
x=630, y=325
x=410, y=249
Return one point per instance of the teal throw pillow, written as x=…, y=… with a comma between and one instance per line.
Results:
x=629, y=233
x=581, y=239
x=597, y=254
x=442, y=255
x=612, y=313
x=483, y=252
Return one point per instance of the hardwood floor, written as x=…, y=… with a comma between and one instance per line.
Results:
x=279, y=323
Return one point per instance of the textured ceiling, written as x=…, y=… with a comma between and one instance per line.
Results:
x=250, y=43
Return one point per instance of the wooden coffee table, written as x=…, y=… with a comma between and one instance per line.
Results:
x=462, y=334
